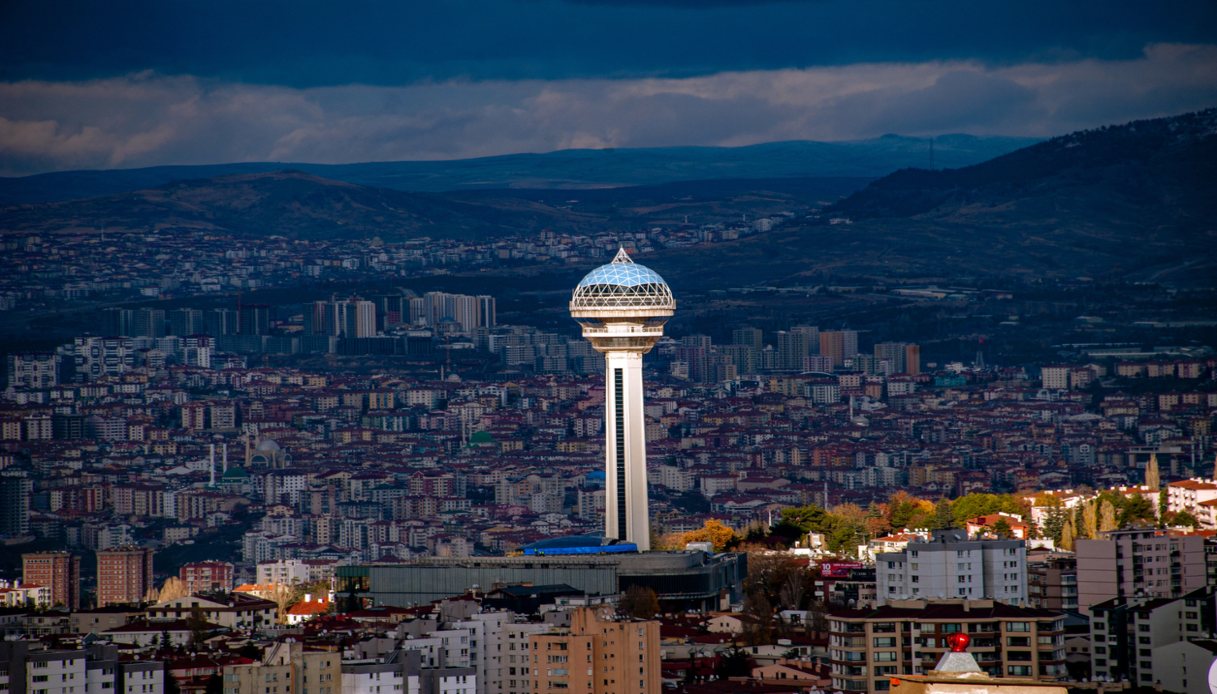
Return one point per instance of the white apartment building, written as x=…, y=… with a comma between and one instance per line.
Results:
x=951, y=566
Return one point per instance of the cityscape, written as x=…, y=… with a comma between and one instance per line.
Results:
x=752, y=403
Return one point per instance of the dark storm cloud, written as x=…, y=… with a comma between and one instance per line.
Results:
x=304, y=44
x=147, y=119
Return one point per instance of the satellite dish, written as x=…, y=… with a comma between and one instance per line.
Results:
x=1213, y=677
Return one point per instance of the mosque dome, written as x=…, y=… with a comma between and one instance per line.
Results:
x=268, y=446
x=623, y=284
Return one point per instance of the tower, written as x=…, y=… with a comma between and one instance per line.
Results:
x=622, y=307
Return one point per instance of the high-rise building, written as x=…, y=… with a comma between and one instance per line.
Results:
x=838, y=345
x=220, y=321
x=794, y=346
x=748, y=337
x=16, y=488
x=1139, y=562
x=33, y=371
x=124, y=575
x=1128, y=637
x=952, y=566
x=186, y=321
x=622, y=307
x=253, y=319
x=869, y=646
x=597, y=655
x=59, y=571
x=468, y=312
x=148, y=322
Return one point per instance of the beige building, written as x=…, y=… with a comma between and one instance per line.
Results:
x=868, y=647
x=287, y=668
x=597, y=654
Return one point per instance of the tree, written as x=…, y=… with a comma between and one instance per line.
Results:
x=733, y=663
x=1066, y=542
x=1151, y=472
x=1090, y=519
x=712, y=531
x=973, y=505
x=942, y=518
x=639, y=602
x=1137, y=509
x=172, y=589
x=1055, y=521
x=1002, y=529
x=198, y=626
x=1182, y=518
x=1107, y=516
x=757, y=618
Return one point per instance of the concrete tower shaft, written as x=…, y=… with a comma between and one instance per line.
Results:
x=622, y=307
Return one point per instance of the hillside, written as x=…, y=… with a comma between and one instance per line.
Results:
x=300, y=205
x=1128, y=202
x=291, y=204
x=567, y=169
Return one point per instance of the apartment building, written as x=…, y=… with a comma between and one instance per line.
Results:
x=58, y=571
x=286, y=668
x=1052, y=583
x=952, y=566
x=1127, y=636
x=124, y=575
x=1136, y=562
x=868, y=647
x=597, y=654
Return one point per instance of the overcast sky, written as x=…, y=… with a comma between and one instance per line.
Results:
x=121, y=84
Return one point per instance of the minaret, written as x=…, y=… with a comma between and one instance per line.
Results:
x=622, y=307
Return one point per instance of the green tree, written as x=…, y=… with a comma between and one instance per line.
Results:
x=1182, y=518
x=942, y=518
x=977, y=504
x=1002, y=529
x=1137, y=510
x=1055, y=522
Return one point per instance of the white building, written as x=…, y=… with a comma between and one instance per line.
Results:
x=950, y=566
x=622, y=307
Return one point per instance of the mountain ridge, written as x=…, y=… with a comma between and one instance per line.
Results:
x=561, y=169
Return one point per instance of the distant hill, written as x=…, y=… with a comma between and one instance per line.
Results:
x=1167, y=165
x=568, y=169
x=1127, y=202
x=292, y=204
x=295, y=204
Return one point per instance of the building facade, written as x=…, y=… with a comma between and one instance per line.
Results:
x=597, y=654
x=124, y=576
x=1143, y=562
x=58, y=571
x=951, y=566
x=868, y=647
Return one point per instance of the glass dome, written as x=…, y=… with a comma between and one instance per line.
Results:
x=622, y=284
